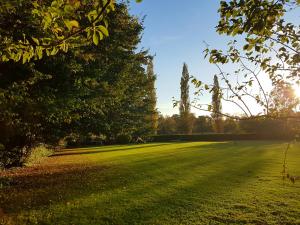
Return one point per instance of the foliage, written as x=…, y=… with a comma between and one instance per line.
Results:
x=123, y=139
x=153, y=116
x=283, y=100
x=231, y=125
x=63, y=24
x=186, y=124
x=167, y=125
x=267, y=31
x=221, y=137
x=277, y=127
x=48, y=27
x=217, y=106
x=264, y=46
x=203, y=124
x=97, y=90
x=37, y=154
x=263, y=127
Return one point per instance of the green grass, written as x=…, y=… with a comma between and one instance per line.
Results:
x=159, y=183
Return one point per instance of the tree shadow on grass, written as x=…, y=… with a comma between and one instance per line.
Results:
x=156, y=188
x=172, y=194
x=96, y=150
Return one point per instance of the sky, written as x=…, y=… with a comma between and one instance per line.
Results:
x=176, y=32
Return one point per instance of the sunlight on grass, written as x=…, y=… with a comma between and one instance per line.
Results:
x=166, y=183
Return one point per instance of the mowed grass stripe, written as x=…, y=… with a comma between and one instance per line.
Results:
x=159, y=183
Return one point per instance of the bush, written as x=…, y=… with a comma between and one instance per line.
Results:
x=80, y=141
x=12, y=158
x=123, y=139
x=37, y=154
x=218, y=137
x=22, y=156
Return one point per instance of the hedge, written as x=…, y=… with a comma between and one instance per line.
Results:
x=218, y=137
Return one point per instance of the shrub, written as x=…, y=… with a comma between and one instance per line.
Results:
x=22, y=156
x=37, y=154
x=12, y=158
x=80, y=141
x=123, y=139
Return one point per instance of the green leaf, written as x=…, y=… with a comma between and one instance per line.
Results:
x=35, y=4
x=103, y=30
x=95, y=38
x=36, y=40
x=68, y=8
x=54, y=51
x=100, y=35
x=71, y=23
x=39, y=53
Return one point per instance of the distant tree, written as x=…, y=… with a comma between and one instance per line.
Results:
x=153, y=115
x=166, y=125
x=283, y=100
x=186, y=124
x=203, y=124
x=230, y=125
x=217, y=106
x=269, y=126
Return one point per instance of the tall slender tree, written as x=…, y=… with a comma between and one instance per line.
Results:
x=186, y=124
x=153, y=117
x=217, y=106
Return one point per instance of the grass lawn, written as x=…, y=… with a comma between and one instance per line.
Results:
x=159, y=183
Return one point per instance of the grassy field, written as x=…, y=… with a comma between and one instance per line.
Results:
x=159, y=183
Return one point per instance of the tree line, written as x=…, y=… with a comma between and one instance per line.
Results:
x=282, y=101
x=206, y=125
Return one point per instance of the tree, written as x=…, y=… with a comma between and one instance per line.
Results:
x=271, y=46
x=47, y=27
x=267, y=34
x=166, y=125
x=153, y=117
x=230, y=125
x=283, y=100
x=97, y=90
x=186, y=124
x=217, y=106
x=203, y=124
x=61, y=24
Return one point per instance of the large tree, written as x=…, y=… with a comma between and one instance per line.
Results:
x=89, y=90
x=33, y=29
x=267, y=47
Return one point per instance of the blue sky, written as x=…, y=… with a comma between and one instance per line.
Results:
x=174, y=32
